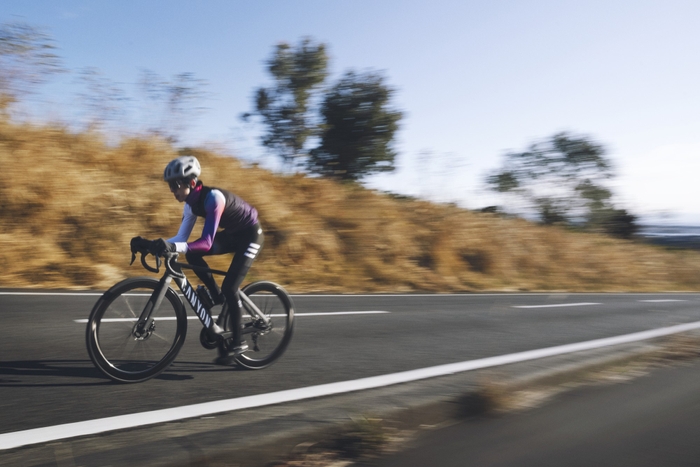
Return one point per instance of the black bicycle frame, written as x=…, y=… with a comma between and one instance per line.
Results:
x=193, y=299
x=145, y=320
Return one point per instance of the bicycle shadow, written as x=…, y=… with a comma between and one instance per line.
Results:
x=28, y=373
x=17, y=373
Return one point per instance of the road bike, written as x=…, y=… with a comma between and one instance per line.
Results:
x=138, y=326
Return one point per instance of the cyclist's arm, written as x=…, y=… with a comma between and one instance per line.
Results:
x=188, y=221
x=214, y=207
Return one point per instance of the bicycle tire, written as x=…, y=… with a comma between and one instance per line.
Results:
x=112, y=346
x=266, y=345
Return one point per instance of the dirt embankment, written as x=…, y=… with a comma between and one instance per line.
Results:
x=70, y=203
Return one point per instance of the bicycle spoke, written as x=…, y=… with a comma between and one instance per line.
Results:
x=128, y=354
x=267, y=340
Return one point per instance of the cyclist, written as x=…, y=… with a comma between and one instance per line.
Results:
x=241, y=235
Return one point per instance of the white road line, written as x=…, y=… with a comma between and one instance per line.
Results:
x=661, y=301
x=381, y=295
x=53, y=294
x=334, y=313
x=172, y=318
x=557, y=305
x=121, y=422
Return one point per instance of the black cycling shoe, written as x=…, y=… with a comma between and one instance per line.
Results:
x=230, y=357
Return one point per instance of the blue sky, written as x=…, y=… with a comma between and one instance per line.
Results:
x=474, y=78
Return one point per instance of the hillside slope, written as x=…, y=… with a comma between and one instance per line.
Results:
x=70, y=203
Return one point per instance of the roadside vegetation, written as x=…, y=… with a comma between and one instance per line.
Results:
x=70, y=203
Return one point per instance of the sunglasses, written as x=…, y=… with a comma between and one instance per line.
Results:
x=177, y=184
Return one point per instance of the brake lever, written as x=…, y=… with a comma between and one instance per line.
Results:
x=133, y=257
x=147, y=266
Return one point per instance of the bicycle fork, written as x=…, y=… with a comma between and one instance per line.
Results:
x=145, y=324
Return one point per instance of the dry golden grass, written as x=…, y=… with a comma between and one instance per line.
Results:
x=70, y=203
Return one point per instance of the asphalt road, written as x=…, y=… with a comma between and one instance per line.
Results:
x=652, y=421
x=46, y=377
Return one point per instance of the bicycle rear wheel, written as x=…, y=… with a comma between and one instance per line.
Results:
x=267, y=343
x=112, y=343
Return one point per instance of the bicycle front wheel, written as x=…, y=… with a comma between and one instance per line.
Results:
x=117, y=348
x=267, y=342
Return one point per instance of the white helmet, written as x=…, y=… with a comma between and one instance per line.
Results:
x=182, y=167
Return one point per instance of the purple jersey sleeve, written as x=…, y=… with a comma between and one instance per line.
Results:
x=214, y=207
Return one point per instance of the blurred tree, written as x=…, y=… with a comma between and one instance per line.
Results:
x=619, y=223
x=358, y=129
x=27, y=59
x=173, y=103
x=104, y=100
x=284, y=107
x=563, y=180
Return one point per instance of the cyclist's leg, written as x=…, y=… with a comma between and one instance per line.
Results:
x=247, y=245
x=197, y=259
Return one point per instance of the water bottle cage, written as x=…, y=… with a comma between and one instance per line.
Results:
x=205, y=297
